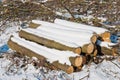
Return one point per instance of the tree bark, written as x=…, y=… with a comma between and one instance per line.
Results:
x=47, y=42
x=64, y=67
x=33, y=25
x=24, y=51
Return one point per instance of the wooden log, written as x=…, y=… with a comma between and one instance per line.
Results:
x=53, y=25
x=105, y=36
x=33, y=25
x=47, y=42
x=64, y=67
x=69, y=41
x=76, y=36
x=76, y=61
x=106, y=48
x=79, y=26
x=93, y=39
x=50, y=54
x=107, y=51
x=95, y=53
x=84, y=60
x=69, y=33
x=54, y=28
x=88, y=48
x=77, y=69
x=25, y=51
x=115, y=51
x=22, y=50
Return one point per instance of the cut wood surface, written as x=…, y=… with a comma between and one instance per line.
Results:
x=47, y=42
x=76, y=61
x=105, y=36
x=88, y=48
x=95, y=53
x=79, y=26
x=93, y=39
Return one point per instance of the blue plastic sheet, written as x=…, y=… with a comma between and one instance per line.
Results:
x=114, y=38
x=106, y=22
x=4, y=48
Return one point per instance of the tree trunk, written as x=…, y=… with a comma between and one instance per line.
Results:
x=47, y=42
x=64, y=67
x=25, y=51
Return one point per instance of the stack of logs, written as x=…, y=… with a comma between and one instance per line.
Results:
x=80, y=43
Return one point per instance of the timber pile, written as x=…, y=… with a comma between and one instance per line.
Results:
x=66, y=45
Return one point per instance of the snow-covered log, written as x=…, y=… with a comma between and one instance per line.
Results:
x=103, y=33
x=80, y=26
x=51, y=43
x=51, y=55
x=65, y=41
x=54, y=25
x=24, y=51
x=33, y=25
x=105, y=48
x=67, y=33
x=77, y=34
x=47, y=35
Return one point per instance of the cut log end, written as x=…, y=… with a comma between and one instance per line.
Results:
x=106, y=39
x=70, y=70
x=93, y=39
x=90, y=48
x=78, y=50
x=78, y=61
x=106, y=36
x=114, y=51
x=95, y=52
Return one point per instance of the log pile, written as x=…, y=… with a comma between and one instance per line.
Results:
x=66, y=45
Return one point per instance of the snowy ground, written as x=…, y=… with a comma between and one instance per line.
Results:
x=22, y=68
